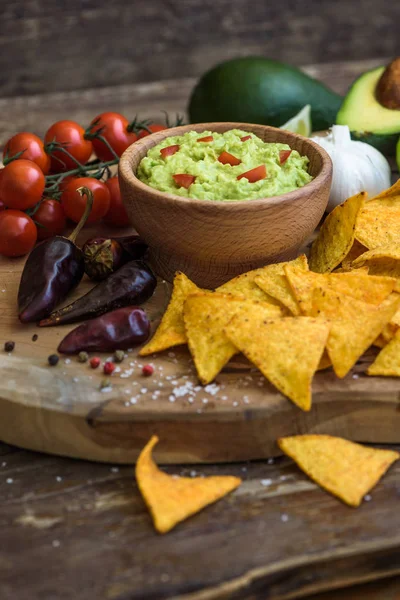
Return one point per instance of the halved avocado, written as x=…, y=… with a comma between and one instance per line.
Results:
x=368, y=120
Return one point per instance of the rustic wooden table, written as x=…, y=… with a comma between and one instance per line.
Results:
x=78, y=530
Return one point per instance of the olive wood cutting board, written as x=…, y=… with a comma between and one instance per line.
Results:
x=61, y=409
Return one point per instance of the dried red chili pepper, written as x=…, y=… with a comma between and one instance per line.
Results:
x=52, y=270
x=122, y=328
x=132, y=284
x=103, y=256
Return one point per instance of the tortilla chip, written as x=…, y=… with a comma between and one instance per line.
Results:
x=205, y=318
x=287, y=351
x=171, y=330
x=355, y=325
x=390, y=330
x=355, y=251
x=384, y=260
x=336, y=236
x=387, y=363
x=345, y=469
x=356, y=284
x=378, y=225
x=273, y=281
x=325, y=362
x=380, y=341
x=243, y=285
x=390, y=195
x=172, y=499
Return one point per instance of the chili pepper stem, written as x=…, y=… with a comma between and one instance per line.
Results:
x=83, y=191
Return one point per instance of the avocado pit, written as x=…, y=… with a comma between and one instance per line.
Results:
x=388, y=86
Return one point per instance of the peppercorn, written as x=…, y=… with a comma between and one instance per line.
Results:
x=9, y=346
x=83, y=357
x=53, y=359
x=108, y=368
x=34, y=337
x=147, y=370
x=119, y=356
x=94, y=362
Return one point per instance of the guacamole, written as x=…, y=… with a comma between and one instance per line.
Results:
x=235, y=165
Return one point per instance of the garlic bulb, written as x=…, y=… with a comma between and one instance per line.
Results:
x=357, y=166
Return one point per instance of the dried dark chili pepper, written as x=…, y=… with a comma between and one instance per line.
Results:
x=52, y=270
x=122, y=328
x=103, y=256
x=132, y=284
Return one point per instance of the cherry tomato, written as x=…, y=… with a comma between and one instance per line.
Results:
x=255, y=174
x=32, y=148
x=71, y=136
x=169, y=150
x=228, y=159
x=113, y=128
x=117, y=215
x=17, y=233
x=184, y=180
x=284, y=155
x=22, y=184
x=74, y=204
x=207, y=138
x=51, y=218
x=152, y=129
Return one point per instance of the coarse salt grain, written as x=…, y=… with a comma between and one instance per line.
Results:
x=367, y=498
x=9, y=480
x=143, y=390
x=266, y=482
x=56, y=543
x=284, y=518
x=172, y=398
x=133, y=400
x=114, y=470
x=67, y=361
x=235, y=403
x=271, y=461
x=58, y=479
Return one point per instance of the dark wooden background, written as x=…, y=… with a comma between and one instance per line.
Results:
x=59, y=45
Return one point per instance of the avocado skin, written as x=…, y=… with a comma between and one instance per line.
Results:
x=384, y=143
x=260, y=90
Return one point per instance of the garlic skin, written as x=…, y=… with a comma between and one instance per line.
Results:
x=357, y=166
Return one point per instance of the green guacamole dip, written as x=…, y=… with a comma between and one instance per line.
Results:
x=217, y=181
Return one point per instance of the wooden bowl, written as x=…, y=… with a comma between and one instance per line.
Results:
x=212, y=241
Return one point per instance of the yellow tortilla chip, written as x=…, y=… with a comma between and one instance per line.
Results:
x=325, y=362
x=387, y=363
x=336, y=235
x=384, y=260
x=287, y=351
x=345, y=469
x=391, y=328
x=355, y=325
x=243, y=285
x=389, y=195
x=355, y=251
x=356, y=284
x=172, y=499
x=171, y=330
x=378, y=225
x=273, y=281
x=205, y=318
x=380, y=341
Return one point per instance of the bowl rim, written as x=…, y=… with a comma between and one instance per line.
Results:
x=125, y=169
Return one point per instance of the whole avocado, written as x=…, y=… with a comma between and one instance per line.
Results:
x=260, y=90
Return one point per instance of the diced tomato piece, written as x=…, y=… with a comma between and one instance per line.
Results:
x=255, y=174
x=228, y=159
x=207, y=138
x=245, y=138
x=284, y=155
x=184, y=180
x=169, y=150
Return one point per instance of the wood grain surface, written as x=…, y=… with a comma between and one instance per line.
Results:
x=81, y=531
x=72, y=530
x=211, y=242
x=52, y=46
x=62, y=410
